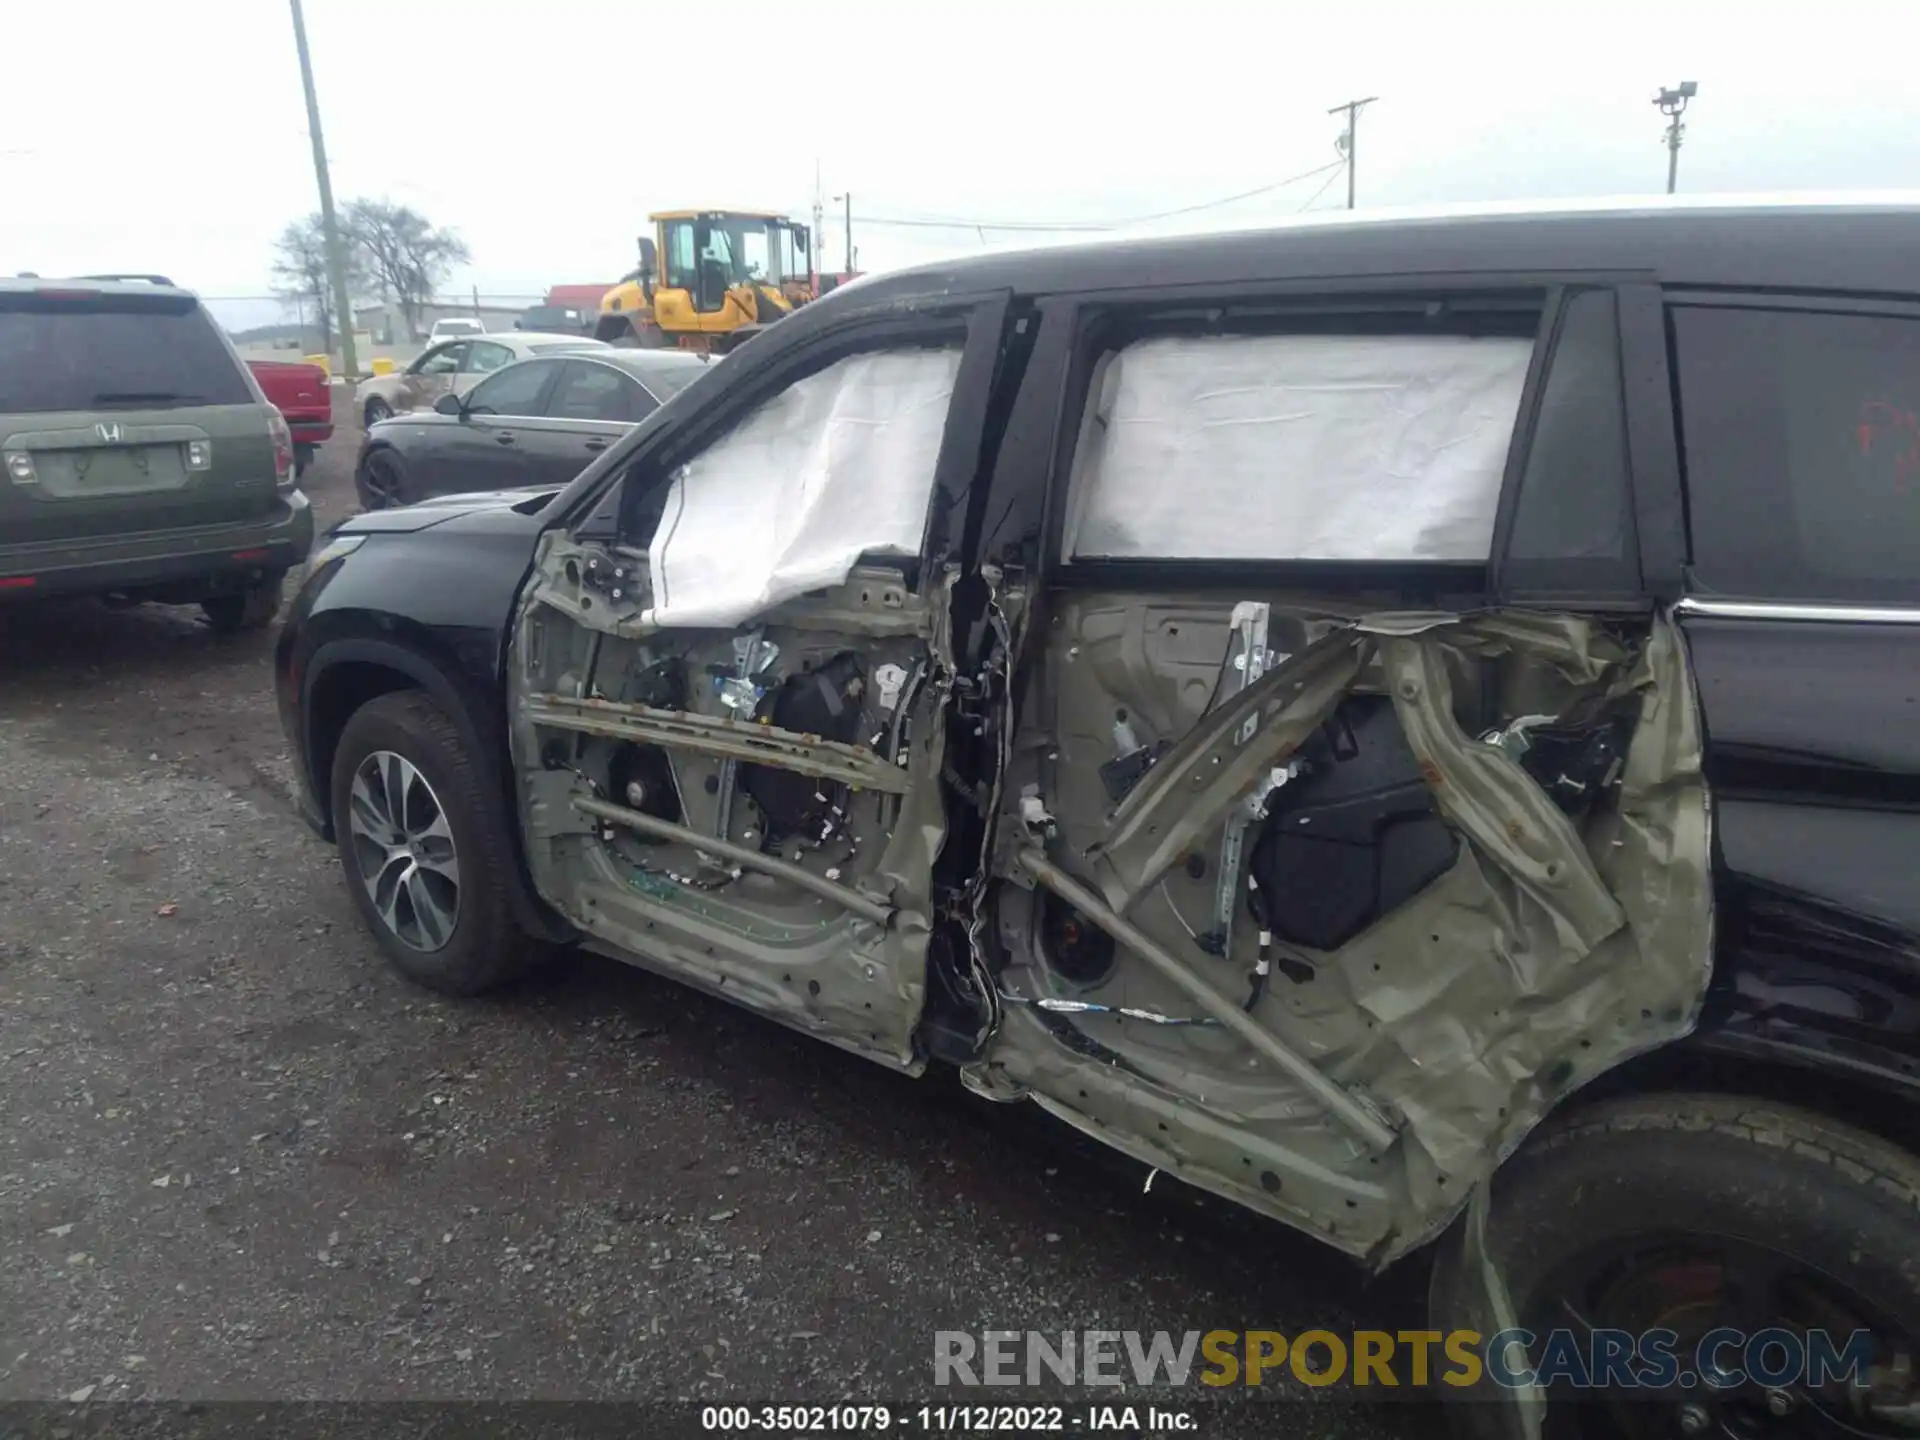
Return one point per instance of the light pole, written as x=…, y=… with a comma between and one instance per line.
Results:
x=329, y=225
x=1673, y=104
x=847, y=200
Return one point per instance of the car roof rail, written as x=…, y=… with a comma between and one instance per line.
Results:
x=144, y=279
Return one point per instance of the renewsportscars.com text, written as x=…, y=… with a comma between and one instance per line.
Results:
x=1510, y=1359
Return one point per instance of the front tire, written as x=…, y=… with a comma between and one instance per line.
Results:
x=427, y=859
x=1688, y=1213
x=382, y=481
x=377, y=410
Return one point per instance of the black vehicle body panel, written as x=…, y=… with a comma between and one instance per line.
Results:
x=1813, y=751
x=428, y=607
x=1814, y=757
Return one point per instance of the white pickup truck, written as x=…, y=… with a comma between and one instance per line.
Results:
x=454, y=329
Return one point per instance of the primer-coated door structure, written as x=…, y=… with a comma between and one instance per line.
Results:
x=730, y=703
x=1354, y=813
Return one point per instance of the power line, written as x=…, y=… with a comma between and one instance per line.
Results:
x=1321, y=191
x=1231, y=199
x=1034, y=225
x=1090, y=226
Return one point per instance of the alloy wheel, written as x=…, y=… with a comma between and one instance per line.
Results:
x=383, y=489
x=404, y=850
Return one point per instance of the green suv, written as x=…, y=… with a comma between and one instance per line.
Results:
x=138, y=456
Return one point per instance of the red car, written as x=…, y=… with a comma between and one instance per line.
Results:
x=304, y=396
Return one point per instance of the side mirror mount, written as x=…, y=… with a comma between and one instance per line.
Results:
x=450, y=404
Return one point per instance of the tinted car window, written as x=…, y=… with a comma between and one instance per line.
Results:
x=484, y=355
x=146, y=353
x=666, y=381
x=1802, y=440
x=1573, y=528
x=597, y=392
x=515, y=390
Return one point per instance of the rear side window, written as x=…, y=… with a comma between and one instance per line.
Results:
x=140, y=353
x=515, y=390
x=1308, y=447
x=596, y=392
x=1573, y=524
x=483, y=356
x=1802, y=441
x=666, y=381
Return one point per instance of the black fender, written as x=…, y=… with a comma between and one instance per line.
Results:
x=480, y=735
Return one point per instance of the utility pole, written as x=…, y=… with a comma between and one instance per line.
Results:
x=1349, y=142
x=848, y=200
x=813, y=240
x=1673, y=104
x=329, y=225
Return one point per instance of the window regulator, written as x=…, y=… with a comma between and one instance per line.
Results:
x=1249, y=622
x=740, y=693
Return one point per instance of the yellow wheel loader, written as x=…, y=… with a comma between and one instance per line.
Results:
x=707, y=280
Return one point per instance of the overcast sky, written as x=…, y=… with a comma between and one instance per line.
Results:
x=140, y=135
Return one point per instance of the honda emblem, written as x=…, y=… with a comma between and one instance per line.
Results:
x=109, y=433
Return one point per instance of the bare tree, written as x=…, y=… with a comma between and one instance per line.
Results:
x=300, y=273
x=404, y=252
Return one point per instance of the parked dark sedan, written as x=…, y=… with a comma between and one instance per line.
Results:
x=538, y=422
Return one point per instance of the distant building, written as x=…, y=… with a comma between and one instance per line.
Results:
x=389, y=326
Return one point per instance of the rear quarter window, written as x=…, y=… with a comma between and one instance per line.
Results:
x=1801, y=433
x=128, y=353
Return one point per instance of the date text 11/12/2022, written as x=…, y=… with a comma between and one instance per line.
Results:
x=947, y=1419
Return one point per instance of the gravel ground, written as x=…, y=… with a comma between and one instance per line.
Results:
x=239, y=1159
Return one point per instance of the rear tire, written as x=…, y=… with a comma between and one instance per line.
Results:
x=427, y=859
x=250, y=609
x=302, y=459
x=1696, y=1209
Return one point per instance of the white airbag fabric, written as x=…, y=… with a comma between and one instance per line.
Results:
x=1297, y=447
x=838, y=465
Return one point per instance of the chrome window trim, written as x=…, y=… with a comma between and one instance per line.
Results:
x=1795, y=610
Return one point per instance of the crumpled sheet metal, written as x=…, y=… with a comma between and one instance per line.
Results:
x=1189, y=791
x=1489, y=798
x=1478, y=1032
x=1473, y=1009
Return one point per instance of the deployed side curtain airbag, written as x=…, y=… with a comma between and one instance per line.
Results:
x=1297, y=447
x=836, y=466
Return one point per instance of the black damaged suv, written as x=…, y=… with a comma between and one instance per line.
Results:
x=1409, y=725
